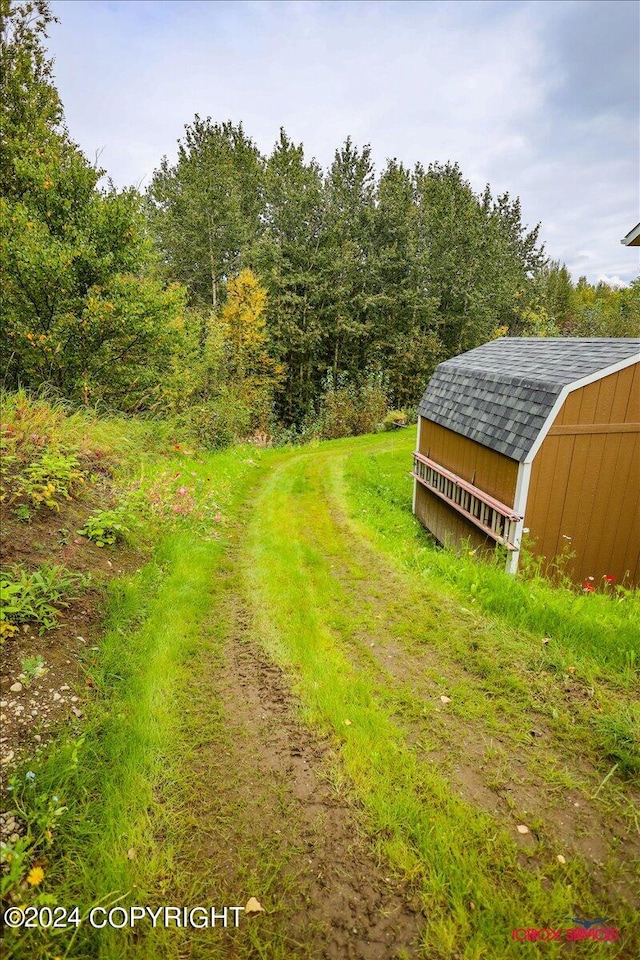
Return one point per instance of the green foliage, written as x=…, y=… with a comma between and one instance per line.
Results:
x=36, y=596
x=31, y=668
x=585, y=310
x=107, y=527
x=394, y=273
x=41, y=812
x=395, y=419
x=38, y=469
x=76, y=313
x=46, y=481
x=205, y=210
x=348, y=410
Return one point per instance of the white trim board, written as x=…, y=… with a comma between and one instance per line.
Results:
x=569, y=388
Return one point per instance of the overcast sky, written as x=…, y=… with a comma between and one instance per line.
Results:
x=537, y=98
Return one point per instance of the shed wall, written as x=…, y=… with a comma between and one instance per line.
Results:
x=585, y=481
x=492, y=472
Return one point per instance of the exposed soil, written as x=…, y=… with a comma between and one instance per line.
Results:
x=329, y=898
x=34, y=706
x=486, y=768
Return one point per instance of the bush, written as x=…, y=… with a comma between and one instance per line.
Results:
x=394, y=419
x=348, y=409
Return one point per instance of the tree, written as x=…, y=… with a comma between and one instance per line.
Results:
x=205, y=210
x=406, y=344
x=347, y=296
x=75, y=312
x=287, y=258
x=477, y=257
x=250, y=374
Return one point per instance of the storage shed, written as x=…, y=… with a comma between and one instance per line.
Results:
x=539, y=435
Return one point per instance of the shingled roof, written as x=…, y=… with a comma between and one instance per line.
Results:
x=501, y=394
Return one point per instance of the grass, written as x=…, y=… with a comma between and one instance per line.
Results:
x=602, y=630
x=373, y=626
x=117, y=813
x=307, y=573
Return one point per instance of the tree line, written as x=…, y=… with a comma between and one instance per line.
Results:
x=245, y=291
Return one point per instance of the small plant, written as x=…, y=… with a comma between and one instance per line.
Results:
x=23, y=512
x=106, y=528
x=32, y=668
x=40, y=812
x=35, y=597
x=48, y=480
x=620, y=741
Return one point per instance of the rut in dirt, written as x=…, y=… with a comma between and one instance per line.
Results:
x=270, y=819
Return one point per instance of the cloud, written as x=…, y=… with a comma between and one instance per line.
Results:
x=537, y=99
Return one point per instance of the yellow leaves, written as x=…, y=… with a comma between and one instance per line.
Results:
x=35, y=876
x=7, y=630
x=47, y=184
x=253, y=906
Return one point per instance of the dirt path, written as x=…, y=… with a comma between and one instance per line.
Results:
x=281, y=823
x=278, y=825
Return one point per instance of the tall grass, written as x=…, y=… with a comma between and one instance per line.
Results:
x=605, y=629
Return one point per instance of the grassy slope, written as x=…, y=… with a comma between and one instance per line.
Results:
x=334, y=563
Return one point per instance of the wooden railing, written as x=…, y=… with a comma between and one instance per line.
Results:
x=494, y=518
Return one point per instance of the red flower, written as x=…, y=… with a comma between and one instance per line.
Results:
x=588, y=587
x=609, y=578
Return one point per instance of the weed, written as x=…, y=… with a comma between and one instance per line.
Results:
x=36, y=596
x=619, y=737
x=32, y=668
x=46, y=481
x=23, y=512
x=107, y=527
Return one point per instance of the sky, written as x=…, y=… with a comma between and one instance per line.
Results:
x=539, y=98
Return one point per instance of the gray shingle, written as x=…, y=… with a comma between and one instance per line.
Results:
x=500, y=394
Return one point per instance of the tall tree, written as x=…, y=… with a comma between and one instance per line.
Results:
x=205, y=210
x=70, y=314
x=287, y=256
x=348, y=298
x=405, y=342
x=477, y=256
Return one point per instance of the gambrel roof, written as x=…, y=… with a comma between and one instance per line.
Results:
x=501, y=394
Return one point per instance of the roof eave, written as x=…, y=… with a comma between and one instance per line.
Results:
x=632, y=239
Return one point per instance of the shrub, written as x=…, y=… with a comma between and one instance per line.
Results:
x=49, y=479
x=348, y=409
x=395, y=418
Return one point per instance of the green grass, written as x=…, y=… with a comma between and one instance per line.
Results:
x=372, y=625
x=304, y=567
x=603, y=631
x=118, y=781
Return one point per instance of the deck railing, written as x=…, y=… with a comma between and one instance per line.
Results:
x=494, y=518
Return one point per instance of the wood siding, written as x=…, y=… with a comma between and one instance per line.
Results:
x=585, y=481
x=484, y=468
